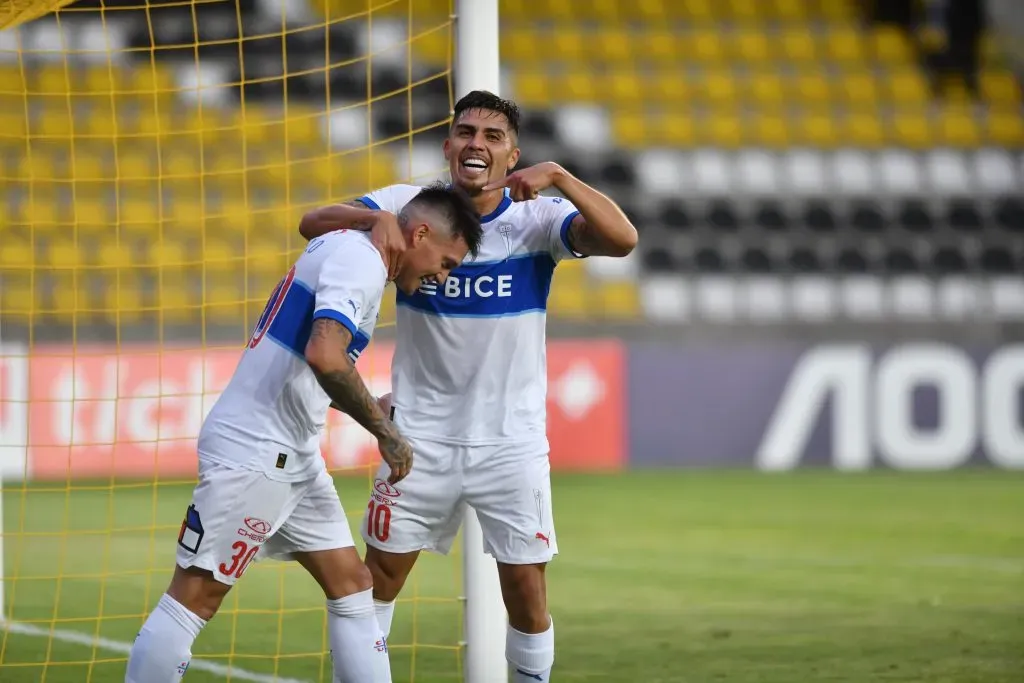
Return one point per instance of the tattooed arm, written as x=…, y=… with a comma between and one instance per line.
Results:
x=326, y=354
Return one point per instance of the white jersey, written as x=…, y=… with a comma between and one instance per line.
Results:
x=270, y=415
x=470, y=364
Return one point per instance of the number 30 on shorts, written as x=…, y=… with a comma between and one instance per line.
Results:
x=378, y=521
x=243, y=554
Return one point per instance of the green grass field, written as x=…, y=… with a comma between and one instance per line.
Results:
x=663, y=576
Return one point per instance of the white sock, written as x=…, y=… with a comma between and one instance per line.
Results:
x=530, y=655
x=358, y=650
x=385, y=613
x=163, y=649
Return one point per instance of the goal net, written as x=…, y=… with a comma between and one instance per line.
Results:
x=155, y=158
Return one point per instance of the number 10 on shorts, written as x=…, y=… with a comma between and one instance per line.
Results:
x=378, y=520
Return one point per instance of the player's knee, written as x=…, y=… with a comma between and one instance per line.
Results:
x=197, y=591
x=524, y=591
x=389, y=572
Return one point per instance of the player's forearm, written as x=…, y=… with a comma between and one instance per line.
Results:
x=335, y=217
x=348, y=393
x=606, y=230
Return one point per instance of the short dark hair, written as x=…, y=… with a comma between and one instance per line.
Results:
x=454, y=207
x=484, y=99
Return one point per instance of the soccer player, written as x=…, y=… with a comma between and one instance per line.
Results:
x=469, y=376
x=263, y=484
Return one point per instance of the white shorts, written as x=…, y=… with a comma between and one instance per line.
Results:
x=236, y=512
x=510, y=493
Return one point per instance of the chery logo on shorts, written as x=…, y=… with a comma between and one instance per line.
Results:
x=257, y=531
x=257, y=525
x=386, y=489
x=384, y=493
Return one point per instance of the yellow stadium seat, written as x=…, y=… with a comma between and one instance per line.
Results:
x=1006, y=129
x=659, y=45
x=138, y=214
x=752, y=45
x=63, y=253
x=722, y=129
x=1000, y=87
x=605, y=11
x=769, y=130
x=568, y=45
x=816, y=129
x=578, y=86
x=612, y=46
x=265, y=258
x=88, y=165
x=519, y=44
x=697, y=10
x=165, y=253
x=53, y=122
x=175, y=303
x=845, y=45
x=864, y=129
x=222, y=301
x=152, y=78
x=113, y=253
x=531, y=88
x=798, y=45
x=719, y=87
x=37, y=165
x=219, y=256
x=432, y=45
x=834, y=10
x=908, y=86
x=15, y=253
x=859, y=89
x=707, y=46
x=568, y=303
x=18, y=298
x=650, y=10
x=957, y=127
x=617, y=300
x=788, y=10
x=812, y=88
x=304, y=126
x=12, y=79
x=627, y=86
x=133, y=164
x=766, y=89
x=629, y=127
x=52, y=79
x=742, y=10
x=912, y=128
x=123, y=300
x=68, y=296
x=675, y=128
x=667, y=86
x=13, y=123
x=890, y=44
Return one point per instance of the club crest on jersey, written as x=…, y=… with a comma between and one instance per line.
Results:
x=505, y=230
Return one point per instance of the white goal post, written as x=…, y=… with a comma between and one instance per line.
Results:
x=477, y=68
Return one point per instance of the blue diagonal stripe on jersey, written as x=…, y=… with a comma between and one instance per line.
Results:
x=488, y=290
x=294, y=322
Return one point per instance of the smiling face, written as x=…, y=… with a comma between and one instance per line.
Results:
x=480, y=148
x=429, y=254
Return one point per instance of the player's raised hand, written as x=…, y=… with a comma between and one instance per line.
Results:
x=397, y=453
x=390, y=242
x=527, y=183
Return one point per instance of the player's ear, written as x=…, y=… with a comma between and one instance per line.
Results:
x=446, y=147
x=513, y=159
x=421, y=233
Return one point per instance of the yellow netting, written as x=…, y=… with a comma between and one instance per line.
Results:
x=154, y=162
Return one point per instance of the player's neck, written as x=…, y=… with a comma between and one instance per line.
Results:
x=487, y=202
